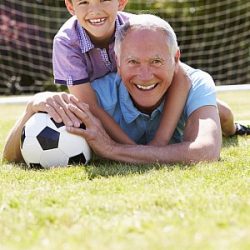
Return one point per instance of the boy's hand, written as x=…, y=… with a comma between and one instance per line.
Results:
x=56, y=105
x=95, y=134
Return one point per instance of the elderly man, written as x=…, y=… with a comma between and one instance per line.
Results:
x=147, y=57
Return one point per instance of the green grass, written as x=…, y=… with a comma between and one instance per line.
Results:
x=115, y=206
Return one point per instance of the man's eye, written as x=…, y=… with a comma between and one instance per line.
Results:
x=132, y=62
x=156, y=62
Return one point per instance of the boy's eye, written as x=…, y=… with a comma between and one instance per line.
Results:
x=83, y=2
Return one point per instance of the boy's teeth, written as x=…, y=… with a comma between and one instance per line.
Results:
x=97, y=21
x=145, y=87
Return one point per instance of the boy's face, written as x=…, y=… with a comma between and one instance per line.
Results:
x=96, y=16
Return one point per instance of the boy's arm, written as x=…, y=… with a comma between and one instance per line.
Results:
x=173, y=107
x=84, y=93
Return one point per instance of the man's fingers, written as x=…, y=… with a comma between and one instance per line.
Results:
x=77, y=131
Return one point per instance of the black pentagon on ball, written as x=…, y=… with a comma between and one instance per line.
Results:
x=22, y=136
x=82, y=125
x=77, y=159
x=57, y=124
x=48, y=138
x=36, y=166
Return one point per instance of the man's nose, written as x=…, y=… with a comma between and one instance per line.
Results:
x=145, y=73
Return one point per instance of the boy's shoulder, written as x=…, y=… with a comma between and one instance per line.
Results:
x=124, y=16
x=68, y=29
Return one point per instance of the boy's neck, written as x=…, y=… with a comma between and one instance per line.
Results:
x=102, y=42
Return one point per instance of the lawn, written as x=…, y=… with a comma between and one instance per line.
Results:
x=114, y=206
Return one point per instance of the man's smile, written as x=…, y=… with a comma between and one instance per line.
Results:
x=148, y=87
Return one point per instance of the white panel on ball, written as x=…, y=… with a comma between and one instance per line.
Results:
x=45, y=144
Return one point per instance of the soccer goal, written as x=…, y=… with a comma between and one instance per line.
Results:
x=213, y=36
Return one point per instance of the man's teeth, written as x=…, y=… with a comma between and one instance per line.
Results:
x=97, y=21
x=145, y=87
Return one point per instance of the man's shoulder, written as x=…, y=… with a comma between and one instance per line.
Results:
x=198, y=76
x=109, y=79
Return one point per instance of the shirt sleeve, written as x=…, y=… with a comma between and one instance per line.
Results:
x=69, y=64
x=202, y=92
x=106, y=89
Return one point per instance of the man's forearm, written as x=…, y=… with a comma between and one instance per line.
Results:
x=12, y=152
x=185, y=152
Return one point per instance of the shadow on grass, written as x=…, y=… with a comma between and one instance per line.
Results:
x=106, y=168
x=230, y=141
x=98, y=167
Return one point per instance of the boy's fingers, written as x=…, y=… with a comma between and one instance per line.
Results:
x=83, y=115
x=60, y=104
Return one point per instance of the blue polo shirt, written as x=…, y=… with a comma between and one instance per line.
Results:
x=114, y=98
x=76, y=60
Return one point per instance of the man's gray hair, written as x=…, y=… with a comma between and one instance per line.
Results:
x=146, y=22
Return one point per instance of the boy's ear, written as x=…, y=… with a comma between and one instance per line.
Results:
x=69, y=6
x=122, y=4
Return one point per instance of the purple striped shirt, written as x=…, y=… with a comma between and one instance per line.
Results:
x=75, y=58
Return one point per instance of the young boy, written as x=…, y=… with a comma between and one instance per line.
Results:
x=83, y=51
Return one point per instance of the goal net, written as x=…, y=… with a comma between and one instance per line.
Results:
x=213, y=36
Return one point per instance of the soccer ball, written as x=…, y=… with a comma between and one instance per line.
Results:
x=46, y=144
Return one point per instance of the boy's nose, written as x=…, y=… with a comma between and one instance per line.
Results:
x=94, y=8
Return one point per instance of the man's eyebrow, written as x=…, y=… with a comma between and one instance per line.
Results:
x=158, y=57
x=131, y=57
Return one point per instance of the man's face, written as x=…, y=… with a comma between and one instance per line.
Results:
x=96, y=16
x=146, y=67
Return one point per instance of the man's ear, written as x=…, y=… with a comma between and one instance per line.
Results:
x=122, y=4
x=177, y=56
x=69, y=7
x=118, y=65
x=177, y=60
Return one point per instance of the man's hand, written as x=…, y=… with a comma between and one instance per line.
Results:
x=95, y=134
x=56, y=105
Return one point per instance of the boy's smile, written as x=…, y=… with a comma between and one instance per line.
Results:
x=97, y=21
x=97, y=17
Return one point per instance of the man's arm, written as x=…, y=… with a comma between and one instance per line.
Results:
x=202, y=140
x=55, y=104
x=12, y=152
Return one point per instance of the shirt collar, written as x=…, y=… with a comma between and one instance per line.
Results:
x=85, y=42
x=129, y=111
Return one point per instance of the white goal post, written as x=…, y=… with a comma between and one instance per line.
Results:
x=213, y=36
